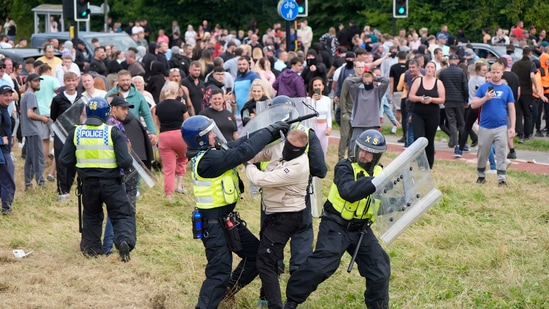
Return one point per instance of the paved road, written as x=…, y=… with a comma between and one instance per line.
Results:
x=524, y=162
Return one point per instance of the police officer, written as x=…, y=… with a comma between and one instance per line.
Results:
x=348, y=212
x=99, y=151
x=301, y=243
x=217, y=189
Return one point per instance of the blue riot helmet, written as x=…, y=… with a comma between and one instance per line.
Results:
x=282, y=99
x=371, y=141
x=195, y=131
x=99, y=108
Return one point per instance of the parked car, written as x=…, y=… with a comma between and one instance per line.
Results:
x=122, y=41
x=493, y=52
x=22, y=54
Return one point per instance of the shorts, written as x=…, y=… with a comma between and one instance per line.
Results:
x=397, y=98
x=46, y=130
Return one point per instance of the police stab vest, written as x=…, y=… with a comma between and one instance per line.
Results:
x=361, y=209
x=214, y=192
x=94, y=147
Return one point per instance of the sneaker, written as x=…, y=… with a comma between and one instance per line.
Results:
x=63, y=197
x=394, y=130
x=402, y=140
x=502, y=183
x=6, y=211
x=28, y=186
x=512, y=155
x=451, y=145
x=466, y=147
x=50, y=177
x=124, y=251
x=539, y=134
x=457, y=152
x=521, y=140
x=474, y=144
x=481, y=180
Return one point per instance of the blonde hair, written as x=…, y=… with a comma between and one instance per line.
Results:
x=171, y=88
x=265, y=86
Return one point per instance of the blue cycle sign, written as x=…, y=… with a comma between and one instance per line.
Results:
x=287, y=9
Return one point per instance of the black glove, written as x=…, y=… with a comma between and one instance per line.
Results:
x=278, y=126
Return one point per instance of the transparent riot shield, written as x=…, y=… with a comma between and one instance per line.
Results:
x=76, y=115
x=405, y=190
x=267, y=114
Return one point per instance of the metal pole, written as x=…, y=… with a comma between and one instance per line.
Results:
x=394, y=26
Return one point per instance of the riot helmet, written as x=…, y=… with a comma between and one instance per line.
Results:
x=371, y=141
x=98, y=107
x=195, y=131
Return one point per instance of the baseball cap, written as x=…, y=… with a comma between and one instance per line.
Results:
x=33, y=77
x=544, y=43
x=5, y=89
x=350, y=54
x=118, y=101
x=453, y=57
x=440, y=36
x=469, y=51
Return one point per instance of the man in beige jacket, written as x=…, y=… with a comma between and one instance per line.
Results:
x=284, y=184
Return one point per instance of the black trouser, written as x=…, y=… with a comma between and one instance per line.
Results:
x=546, y=109
x=471, y=115
x=95, y=192
x=333, y=241
x=456, y=120
x=537, y=109
x=425, y=125
x=524, y=110
x=65, y=174
x=220, y=259
x=443, y=122
x=275, y=231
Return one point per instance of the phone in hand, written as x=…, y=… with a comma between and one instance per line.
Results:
x=490, y=88
x=426, y=97
x=317, y=91
x=228, y=90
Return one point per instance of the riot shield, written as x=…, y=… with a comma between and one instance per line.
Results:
x=267, y=114
x=75, y=115
x=405, y=190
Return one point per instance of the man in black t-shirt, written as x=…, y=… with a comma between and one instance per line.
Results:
x=395, y=72
x=194, y=87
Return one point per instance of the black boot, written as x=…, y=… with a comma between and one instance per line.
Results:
x=290, y=305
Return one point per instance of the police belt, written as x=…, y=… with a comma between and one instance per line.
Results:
x=353, y=225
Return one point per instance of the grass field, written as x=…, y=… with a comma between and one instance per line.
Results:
x=479, y=247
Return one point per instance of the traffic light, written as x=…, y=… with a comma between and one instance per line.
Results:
x=400, y=8
x=302, y=8
x=68, y=9
x=81, y=10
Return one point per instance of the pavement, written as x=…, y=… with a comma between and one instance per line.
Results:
x=536, y=162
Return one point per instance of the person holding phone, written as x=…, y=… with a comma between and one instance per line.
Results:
x=498, y=105
x=323, y=106
x=426, y=93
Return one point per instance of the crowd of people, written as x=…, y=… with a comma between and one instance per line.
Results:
x=187, y=84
